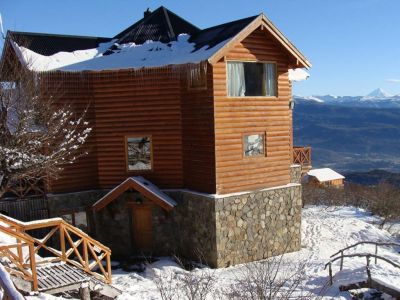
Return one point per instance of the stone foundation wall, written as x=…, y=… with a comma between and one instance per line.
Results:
x=258, y=225
x=221, y=231
x=193, y=227
x=61, y=203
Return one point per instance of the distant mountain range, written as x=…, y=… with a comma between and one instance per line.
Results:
x=350, y=134
x=377, y=98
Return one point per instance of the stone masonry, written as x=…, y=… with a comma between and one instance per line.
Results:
x=220, y=230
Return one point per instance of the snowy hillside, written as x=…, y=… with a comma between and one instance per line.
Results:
x=325, y=230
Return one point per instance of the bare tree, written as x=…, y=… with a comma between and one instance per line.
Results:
x=38, y=136
x=274, y=278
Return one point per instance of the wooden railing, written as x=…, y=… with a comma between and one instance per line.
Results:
x=25, y=187
x=74, y=247
x=302, y=156
x=368, y=257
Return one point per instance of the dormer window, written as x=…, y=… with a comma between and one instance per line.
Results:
x=252, y=79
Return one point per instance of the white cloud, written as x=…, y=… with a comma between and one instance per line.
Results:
x=393, y=80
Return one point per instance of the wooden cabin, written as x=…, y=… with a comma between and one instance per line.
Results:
x=325, y=177
x=201, y=116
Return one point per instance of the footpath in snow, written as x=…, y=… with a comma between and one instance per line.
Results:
x=325, y=230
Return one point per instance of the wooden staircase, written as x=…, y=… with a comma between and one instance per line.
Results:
x=72, y=257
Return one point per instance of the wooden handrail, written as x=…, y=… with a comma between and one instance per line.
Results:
x=362, y=255
x=91, y=248
x=367, y=255
x=367, y=242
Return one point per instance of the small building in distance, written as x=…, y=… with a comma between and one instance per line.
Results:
x=325, y=177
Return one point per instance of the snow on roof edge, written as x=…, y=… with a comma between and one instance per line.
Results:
x=128, y=56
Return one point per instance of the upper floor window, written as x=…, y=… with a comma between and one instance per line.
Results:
x=138, y=153
x=246, y=79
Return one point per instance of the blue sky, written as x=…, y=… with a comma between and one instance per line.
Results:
x=352, y=44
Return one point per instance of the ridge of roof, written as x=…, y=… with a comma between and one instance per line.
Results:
x=160, y=25
x=48, y=43
x=56, y=35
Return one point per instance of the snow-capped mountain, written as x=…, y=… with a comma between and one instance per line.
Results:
x=378, y=93
x=377, y=98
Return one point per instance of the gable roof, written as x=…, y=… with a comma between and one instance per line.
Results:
x=160, y=25
x=49, y=44
x=263, y=22
x=325, y=174
x=144, y=187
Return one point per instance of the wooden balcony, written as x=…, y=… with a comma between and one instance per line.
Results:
x=302, y=156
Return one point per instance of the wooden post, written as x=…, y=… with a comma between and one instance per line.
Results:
x=84, y=291
x=85, y=254
x=341, y=260
x=330, y=274
x=108, y=256
x=62, y=241
x=33, y=266
x=369, y=280
x=19, y=248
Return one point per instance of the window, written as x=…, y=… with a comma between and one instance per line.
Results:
x=254, y=145
x=247, y=79
x=138, y=153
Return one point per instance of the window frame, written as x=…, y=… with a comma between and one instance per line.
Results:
x=264, y=133
x=126, y=153
x=252, y=61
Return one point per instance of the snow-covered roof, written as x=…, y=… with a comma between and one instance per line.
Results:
x=298, y=74
x=325, y=174
x=143, y=186
x=140, y=46
x=130, y=55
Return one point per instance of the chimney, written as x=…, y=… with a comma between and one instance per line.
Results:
x=147, y=13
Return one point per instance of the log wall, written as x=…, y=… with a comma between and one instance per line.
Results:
x=74, y=89
x=237, y=116
x=138, y=103
x=198, y=134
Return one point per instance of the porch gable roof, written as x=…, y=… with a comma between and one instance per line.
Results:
x=141, y=185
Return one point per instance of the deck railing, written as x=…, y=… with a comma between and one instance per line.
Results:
x=75, y=248
x=302, y=155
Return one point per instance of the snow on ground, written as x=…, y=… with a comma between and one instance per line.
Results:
x=325, y=230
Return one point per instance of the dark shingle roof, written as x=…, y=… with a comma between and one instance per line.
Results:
x=214, y=35
x=160, y=25
x=49, y=44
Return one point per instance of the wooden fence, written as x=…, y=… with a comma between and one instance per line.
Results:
x=74, y=247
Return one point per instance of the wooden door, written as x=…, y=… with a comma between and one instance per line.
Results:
x=142, y=228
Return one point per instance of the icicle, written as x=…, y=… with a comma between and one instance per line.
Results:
x=1, y=27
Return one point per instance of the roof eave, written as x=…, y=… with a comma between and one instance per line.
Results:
x=262, y=20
